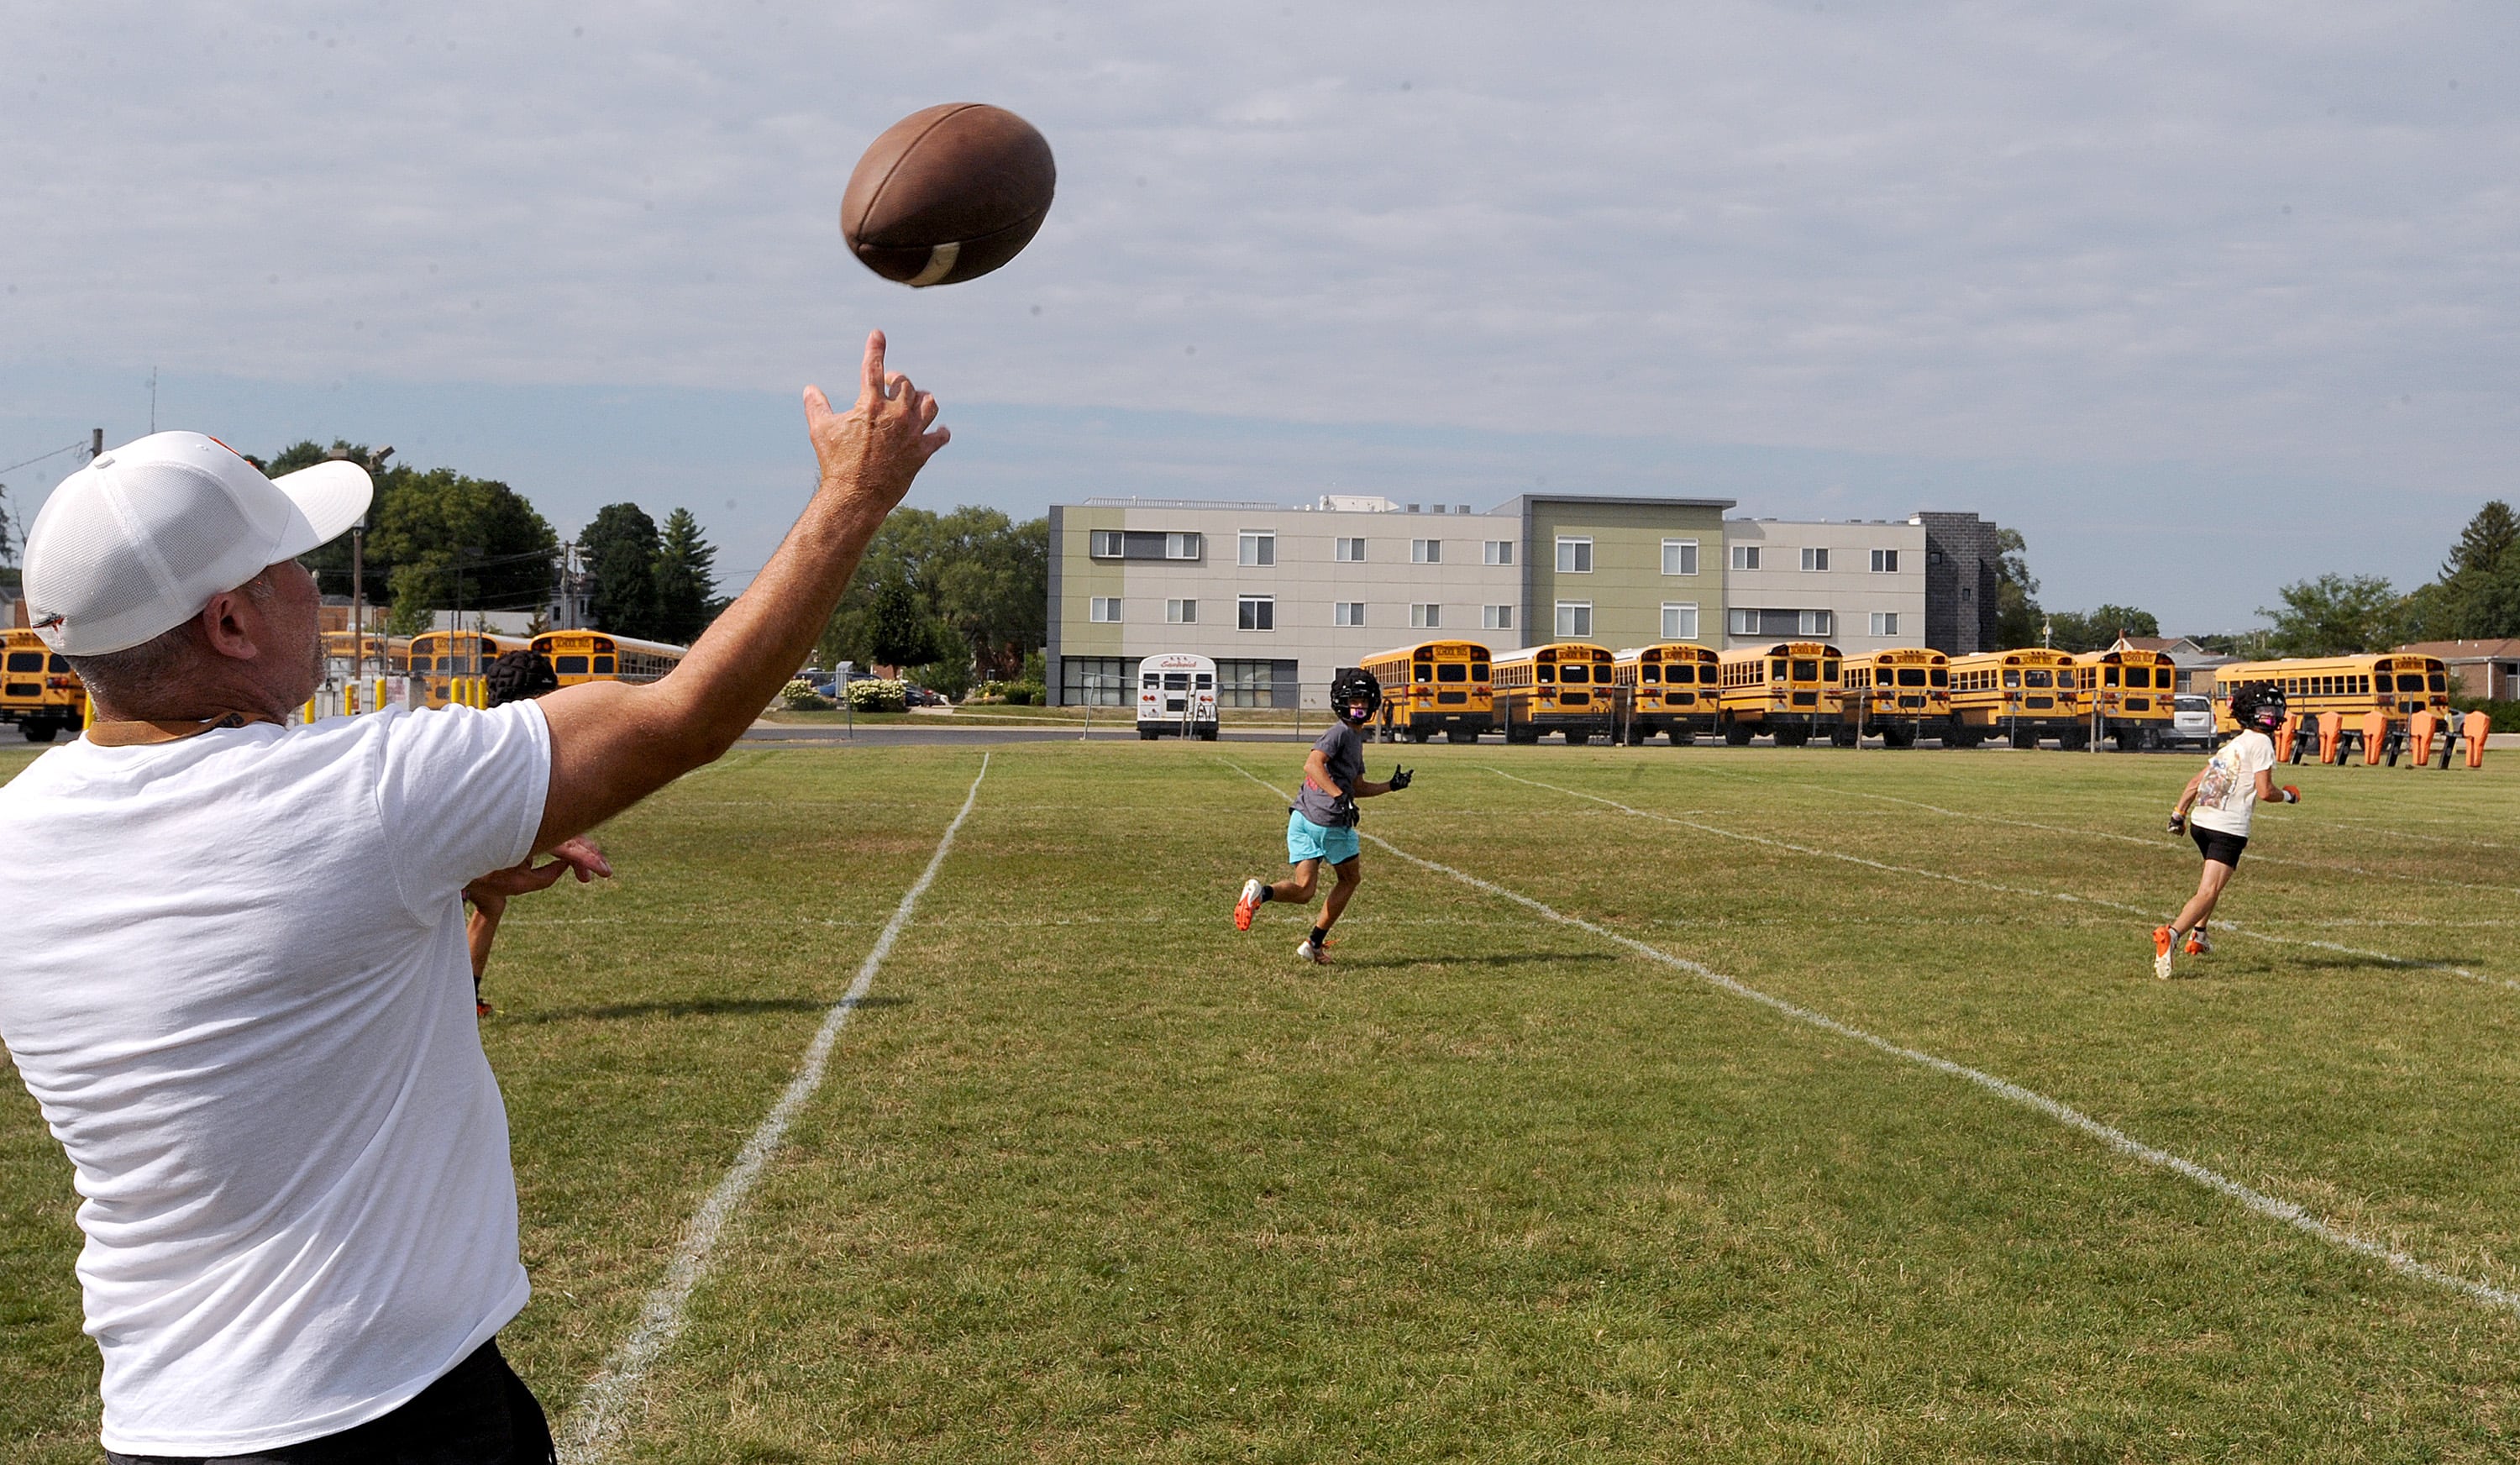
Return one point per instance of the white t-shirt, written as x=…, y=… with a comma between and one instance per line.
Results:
x=2228, y=796
x=238, y=989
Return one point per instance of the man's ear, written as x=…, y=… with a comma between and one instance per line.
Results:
x=223, y=624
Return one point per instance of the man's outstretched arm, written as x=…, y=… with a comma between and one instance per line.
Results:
x=614, y=743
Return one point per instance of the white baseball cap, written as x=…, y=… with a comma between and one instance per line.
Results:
x=137, y=541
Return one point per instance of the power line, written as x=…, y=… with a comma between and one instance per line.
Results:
x=40, y=457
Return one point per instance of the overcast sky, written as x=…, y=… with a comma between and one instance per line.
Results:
x=2202, y=297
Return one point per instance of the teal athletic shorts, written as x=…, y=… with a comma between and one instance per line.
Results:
x=1306, y=841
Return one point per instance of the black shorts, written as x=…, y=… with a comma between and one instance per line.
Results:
x=2218, y=846
x=478, y=1413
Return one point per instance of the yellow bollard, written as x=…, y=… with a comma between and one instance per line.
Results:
x=350, y=699
x=307, y=715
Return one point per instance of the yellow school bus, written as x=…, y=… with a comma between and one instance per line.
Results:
x=1903, y=693
x=1564, y=686
x=2395, y=686
x=1435, y=687
x=2130, y=693
x=1790, y=691
x=38, y=690
x=1670, y=687
x=601, y=656
x=380, y=655
x=439, y=655
x=2020, y=696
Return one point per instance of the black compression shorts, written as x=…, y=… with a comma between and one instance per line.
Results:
x=2216, y=845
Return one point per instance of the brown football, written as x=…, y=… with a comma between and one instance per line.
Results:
x=948, y=194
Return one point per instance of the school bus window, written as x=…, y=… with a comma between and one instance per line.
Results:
x=26, y=662
x=1828, y=670
x=1776, y=669
x=61, y=664
x=1452, y=671
x=1806, y=670
x=1911, y=676
x=1546, y=672
x=2411, y=682
x=2012, y=678
x=1648, y=673
x=1574, y=672
x=1939, y=676
x=2035, y=678
x=1479, y=671
x=569, y=666
x=2437, y=684
x=603, y=666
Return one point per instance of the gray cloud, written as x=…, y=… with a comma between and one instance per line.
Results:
x=2168, y=257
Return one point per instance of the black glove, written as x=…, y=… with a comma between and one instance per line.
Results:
x=2177, y=822
x=1400, y=777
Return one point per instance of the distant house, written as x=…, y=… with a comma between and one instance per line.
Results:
x=2489, y=669
x=2195, y=663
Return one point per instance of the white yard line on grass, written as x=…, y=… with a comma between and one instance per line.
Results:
x=2115, y=1139
x=596, y=1426
x=1919, y=871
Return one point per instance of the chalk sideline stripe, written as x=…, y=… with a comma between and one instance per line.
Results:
x=2067, y=896
x=595, y=1425
x=2072, y=1118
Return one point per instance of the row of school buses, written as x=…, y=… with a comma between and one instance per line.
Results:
x=1794, y=693
x=44, y=697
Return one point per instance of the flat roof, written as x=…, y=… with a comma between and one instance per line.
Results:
x=1645, y=499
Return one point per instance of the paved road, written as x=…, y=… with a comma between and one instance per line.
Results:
x=903, y=735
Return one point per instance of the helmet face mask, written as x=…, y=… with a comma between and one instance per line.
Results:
x=1356, y=695
x=2259, y=706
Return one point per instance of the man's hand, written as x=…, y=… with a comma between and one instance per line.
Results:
x=875, y=448
x=1400, y=777
x=490, y=894
x=2292, y=794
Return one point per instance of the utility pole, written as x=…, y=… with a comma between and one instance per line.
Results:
x=376, y=463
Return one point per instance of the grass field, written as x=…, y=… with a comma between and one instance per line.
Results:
x=1092, y=1175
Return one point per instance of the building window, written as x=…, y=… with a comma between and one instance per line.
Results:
x=1425, y=551
x=1101, y=680
x=1425, y=617
x=1574, y=617
x=1968, y=593
x=1496, y=552
x=1680, y=621
x=1575, y=557
x=1745, y=621
x=1256, y=684
x=1496, y=617
x=1347, y=613
x=1350, y=551
x=1885, y=623
x=1885, y=561
x=1181, y=612
x=1815, y=559
x=1745, y=558
x=1259, y=548
x=1144, y=544
x=1257, y=614
x=1104, y=608
x=1679, y=557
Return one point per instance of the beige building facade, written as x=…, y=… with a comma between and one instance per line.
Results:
x=1857, y=584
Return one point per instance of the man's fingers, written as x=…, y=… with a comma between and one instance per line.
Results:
x=872, y=378
x=925, y=408
x=817, y=406
x=936, y=438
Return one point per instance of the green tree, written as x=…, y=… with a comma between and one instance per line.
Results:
x=620, y=548
x=979, y=582
x=2478, y=594
x=686, y=580
x=425, y=524
x=2017, y=616
x=899, y=631
x=2335, y=615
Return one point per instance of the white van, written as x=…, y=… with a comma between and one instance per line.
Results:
x=1177, y=694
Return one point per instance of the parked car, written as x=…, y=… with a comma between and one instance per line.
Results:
x=2192, y=722
x=921, y=697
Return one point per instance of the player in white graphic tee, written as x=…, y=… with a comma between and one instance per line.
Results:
x=2217, y=806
